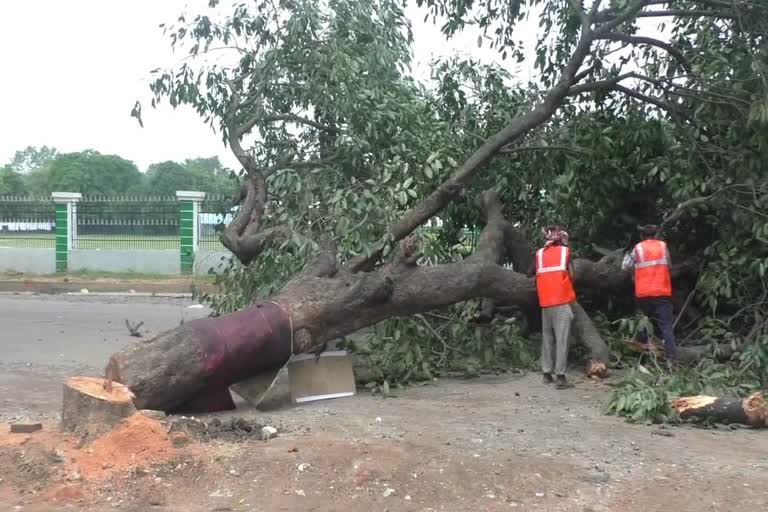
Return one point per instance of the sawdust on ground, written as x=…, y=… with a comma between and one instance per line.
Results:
x=136, y=442
x=62, y=470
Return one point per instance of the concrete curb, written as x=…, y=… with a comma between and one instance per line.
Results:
x=129, y=294
x=127, y=287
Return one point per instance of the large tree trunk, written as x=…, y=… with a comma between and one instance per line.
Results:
x=192, y=366
x=324, y=304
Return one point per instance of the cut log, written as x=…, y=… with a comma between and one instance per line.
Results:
x=752, y=410
x=190, y=368
x=89, y=408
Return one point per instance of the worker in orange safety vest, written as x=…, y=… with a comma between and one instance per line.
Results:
x=553, y=270
x=653, y=287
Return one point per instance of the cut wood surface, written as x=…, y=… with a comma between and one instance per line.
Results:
x=752, y=410
x=89, y=408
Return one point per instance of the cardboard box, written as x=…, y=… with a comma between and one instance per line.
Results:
x=323, y=377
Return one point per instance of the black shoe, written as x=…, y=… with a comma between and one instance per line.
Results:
x=562, y=382
x=547, y=378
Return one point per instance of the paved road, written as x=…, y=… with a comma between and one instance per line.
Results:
x=44, y=339
x=74, y=331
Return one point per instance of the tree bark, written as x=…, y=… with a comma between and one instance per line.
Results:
x=191, y=367
x=752, y=410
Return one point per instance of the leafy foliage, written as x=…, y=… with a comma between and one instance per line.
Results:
x=32, y=158
x=642, y=397
x=423, y=347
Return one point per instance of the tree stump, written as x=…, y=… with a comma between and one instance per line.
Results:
x=90, y=409
x=752, y=410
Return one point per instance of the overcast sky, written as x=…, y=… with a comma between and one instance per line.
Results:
x=72, y=69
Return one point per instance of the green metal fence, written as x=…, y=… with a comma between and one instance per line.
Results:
x=187, y=223
x=68, y=222
x=126, y=223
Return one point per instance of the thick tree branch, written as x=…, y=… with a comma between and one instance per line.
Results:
x=638, y=40
x=243, y=236
x=710, y=3
x=233, y=131
x=418, y=289
x=669, y=107
x=613, y=19
x=555, y=147
x=299, y=164
x=683, y=207
x=451, y=187
x=612, y=84
x=598, y=85
x=699, y=13
x=402, y=287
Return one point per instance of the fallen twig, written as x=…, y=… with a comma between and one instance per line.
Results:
x=134, y=329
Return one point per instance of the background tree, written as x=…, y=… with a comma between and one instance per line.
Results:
x=92, y=173
x=11, y=182
x=32, y=158
x=203, y=174
x=165, y=178
x=212, y=177
x=340, y=144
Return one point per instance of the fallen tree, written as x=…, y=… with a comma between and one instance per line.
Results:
x=338, y=294
x=169, y=370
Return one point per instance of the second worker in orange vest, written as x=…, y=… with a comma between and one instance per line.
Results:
x=653, y=287
x=553, y=270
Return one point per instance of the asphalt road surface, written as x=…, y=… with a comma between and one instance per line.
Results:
x=46, y=338
x=81, y=330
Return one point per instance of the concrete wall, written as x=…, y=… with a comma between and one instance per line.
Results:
x=43, y=261
x=207, y=261
x=144, y=262
x=28, y=261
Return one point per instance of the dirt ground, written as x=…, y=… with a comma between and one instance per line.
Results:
x=494, y=443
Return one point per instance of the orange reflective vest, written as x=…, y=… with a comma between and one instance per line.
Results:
x=553, y=283
x=652, y=277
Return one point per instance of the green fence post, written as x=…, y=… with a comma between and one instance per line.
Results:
x=66, y=224
x=189, y=213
